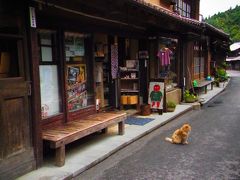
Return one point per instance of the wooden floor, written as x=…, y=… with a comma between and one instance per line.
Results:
x=60, y=132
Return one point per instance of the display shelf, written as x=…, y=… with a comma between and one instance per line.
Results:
x=129, y=86
x=133, y=79
x=129, y=91
x=123, y=69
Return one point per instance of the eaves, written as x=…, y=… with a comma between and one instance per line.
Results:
x=160, y=11
x=214, y=30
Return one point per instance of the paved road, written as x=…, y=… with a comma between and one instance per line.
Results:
x=213, y=152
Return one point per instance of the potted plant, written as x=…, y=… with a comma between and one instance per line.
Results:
x=190, y=97
x=221, y=74
x=171, y=106
x=171, y=76
x=216, y=80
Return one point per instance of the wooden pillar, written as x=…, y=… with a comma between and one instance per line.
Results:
x=36, y=105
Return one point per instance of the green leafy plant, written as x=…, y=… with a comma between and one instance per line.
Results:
x=221, y=74
x=190, y=97
x=224, y=65
x=171, y=106
x=216, y=81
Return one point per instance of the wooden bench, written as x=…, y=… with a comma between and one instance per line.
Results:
x=204, y=84
x=60, y=136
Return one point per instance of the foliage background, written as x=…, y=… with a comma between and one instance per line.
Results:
x=228, y=21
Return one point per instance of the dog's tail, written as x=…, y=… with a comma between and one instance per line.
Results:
x=169, y=139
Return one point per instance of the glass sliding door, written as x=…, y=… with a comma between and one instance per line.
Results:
x=48, y=69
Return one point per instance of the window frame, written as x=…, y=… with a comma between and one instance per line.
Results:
x=55, y=62
x=85, y=59
x=53, y=45
x=198, y=67
x=184, y=8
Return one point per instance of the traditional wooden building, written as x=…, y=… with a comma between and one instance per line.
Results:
x=59, y=58
x=233, y=59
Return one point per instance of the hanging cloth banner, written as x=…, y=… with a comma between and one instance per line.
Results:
x=114, y=61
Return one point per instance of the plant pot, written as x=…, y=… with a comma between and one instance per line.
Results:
x=145, y=110
x=170, y=109
x=190, y=99
x=221, y=84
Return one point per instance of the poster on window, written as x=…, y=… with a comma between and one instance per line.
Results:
x=74, y=46
x=50, y=98
x=156, y=95
x=76, y=87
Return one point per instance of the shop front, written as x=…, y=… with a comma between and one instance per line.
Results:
x=86, y=63
x=76, y=68
x=84, y=57
x=165, y=65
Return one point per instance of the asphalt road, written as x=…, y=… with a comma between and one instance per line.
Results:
x=213, y=152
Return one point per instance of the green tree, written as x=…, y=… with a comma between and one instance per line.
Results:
x=228, y=21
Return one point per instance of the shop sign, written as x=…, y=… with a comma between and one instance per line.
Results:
x=32, y=15
x=143, y=55
x=156, y=95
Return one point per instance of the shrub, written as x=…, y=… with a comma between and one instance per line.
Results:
x=221, y=74
x=171, y=104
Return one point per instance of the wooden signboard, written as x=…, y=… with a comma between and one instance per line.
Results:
x=156, y=96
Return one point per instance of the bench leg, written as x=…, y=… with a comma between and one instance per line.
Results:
x=121, y=128
x=60, y=156
x=105, y=130
x=205, y=89
x=211, y=86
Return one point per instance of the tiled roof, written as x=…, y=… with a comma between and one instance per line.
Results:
x=168, y=12
x=233, y=58
x=175, y=15
x=211, y=27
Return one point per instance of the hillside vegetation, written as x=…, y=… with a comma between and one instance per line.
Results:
x=228, y=21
